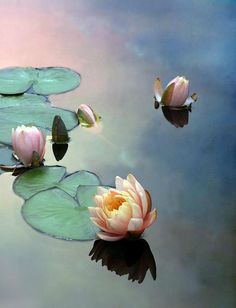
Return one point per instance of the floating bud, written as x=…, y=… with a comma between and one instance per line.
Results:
x=59, y=131
x=175, y=94
x=29, y=145
x=87, y=116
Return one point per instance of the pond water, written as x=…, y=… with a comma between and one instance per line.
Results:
x=119, y=48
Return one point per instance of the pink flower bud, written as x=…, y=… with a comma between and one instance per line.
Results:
x=25, y=141
x=175, y=94
x=124, y=211
x=87, y=116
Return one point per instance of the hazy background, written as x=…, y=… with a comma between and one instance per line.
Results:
x=119, y=48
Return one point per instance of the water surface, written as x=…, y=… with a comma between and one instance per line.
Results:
x=119, y=48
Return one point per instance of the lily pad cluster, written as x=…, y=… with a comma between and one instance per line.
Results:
x=56, y=202
x=30, y=109
x=42, y=81
x=24, y=101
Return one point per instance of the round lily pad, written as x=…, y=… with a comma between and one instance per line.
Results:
x=85, y=194
x=38, y=179
x=6, y=157
x=72, y=181
x=55, y=80
x=45, y=81
x=57, y=214
x=21, y=100
x=15, y=80
x=30, y=109
x=46, y=177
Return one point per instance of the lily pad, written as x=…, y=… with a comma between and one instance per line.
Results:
x=21, y=100
x=46, y=177
x=6, y=157
x=85, y=194
x=71, y=182
x=29, y=109
x=15, y=80
x=57, y=214
x=55, y=80
x=45, y=81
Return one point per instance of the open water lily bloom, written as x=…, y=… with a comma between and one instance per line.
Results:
x=124, y=211
x=176, y=93
x=27, y=140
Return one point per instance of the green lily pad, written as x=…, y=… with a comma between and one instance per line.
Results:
x=57, y=214
x=45, y=81
x=29, y=109
x=71, y=182
x=46, y=177
x=15, y=80
x=55, y=80
x=85, y=194
x=38, y=179
x=6, y=157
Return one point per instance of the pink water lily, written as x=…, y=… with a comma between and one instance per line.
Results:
x=124, y=211
x=176, y=93
x=25, y=141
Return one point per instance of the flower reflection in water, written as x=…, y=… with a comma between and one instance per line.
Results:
x=60, y=138
x=132, y=257
x=177, y=116
x=59, y=150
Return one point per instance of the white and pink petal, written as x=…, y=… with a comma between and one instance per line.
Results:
x=110, y=237
x=135, y=224
x=150, y=218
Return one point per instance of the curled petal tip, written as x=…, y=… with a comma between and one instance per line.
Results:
x=158, y=90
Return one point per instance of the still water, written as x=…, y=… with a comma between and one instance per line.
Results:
x=119, y=48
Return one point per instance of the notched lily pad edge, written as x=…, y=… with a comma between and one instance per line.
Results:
x=55, y=236
x=30, y=90
x=66, y=174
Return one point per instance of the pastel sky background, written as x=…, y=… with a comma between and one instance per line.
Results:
x=119, y=48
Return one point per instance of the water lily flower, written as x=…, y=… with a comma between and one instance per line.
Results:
x=87, y=116
x=123, y=212
x=28, y=144
x=176, y=93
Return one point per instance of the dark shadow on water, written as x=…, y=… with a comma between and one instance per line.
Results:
x=59, y=150
x=132, y=257
x=178, y=117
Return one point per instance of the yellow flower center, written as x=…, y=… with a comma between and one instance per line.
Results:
x=113, y=201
